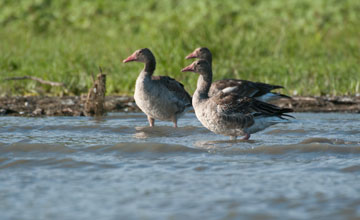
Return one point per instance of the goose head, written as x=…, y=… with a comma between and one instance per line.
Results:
x=142, y=55
x=200, y=53
x=201, y=67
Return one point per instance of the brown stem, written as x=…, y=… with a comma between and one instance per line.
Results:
x=35, y=79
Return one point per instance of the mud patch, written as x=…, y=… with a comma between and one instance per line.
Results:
x=75, y=105
x=60, y=106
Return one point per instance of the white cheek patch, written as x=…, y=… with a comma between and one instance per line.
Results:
x=229, y=89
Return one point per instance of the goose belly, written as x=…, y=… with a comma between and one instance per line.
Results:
x=156, y=102
x=215, y=123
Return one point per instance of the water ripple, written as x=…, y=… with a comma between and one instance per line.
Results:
x=35, y=147
x=150, y=147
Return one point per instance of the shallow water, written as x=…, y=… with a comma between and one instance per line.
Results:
x=117, y=168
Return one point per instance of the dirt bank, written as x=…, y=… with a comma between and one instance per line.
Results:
x=74, y=105
x=60, y=106
x=322, y=104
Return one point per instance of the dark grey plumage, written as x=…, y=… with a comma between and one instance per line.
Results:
x=258, y=90
x=159, y=97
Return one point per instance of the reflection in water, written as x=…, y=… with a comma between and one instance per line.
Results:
x=221, y=143
x=99, y=119
x=115, y=168
x=329, y=141
x=148, y=132
x=168, y=131
x=282, y=131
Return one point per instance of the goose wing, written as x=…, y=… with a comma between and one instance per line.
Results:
x=242, y=87
x=244, y=110
x=175, y=87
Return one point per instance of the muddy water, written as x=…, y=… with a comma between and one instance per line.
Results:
x=117, y=168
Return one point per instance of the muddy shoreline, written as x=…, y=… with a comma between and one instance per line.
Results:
x=74, y=105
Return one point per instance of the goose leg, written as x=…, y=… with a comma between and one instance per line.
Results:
x=247, y=136
x=151, y=121
x=174, y=120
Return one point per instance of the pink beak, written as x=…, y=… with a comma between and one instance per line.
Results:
x=130, y=58
x=192, y=55
x=189, y=68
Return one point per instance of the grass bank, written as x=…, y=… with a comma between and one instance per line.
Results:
x=312, y=47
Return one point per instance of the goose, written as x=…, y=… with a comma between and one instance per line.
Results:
x=159, y=97
x=258, y=90
x=228, y=113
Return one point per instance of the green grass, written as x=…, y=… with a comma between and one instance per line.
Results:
x=312, y=47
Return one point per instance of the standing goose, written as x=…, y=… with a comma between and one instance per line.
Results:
x=258, y=90
x=228, y=113
x=159, y=97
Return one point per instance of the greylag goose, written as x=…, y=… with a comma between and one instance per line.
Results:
x=228, y=113
x=159, y=97
x=258, y=90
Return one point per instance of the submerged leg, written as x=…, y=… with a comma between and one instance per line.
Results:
x=174, y=120
x=247, y=136
x=151, y=121
x=233, y=138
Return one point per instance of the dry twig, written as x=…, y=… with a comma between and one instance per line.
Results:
x=35, y=79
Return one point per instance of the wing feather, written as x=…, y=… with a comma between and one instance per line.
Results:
x=175, y=87
x=243, y=87
x=244, y=110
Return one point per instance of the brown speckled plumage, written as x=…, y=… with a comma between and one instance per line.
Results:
x=229, y=113
x=258, y=90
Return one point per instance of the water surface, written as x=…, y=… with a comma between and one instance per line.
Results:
x=118, y=168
